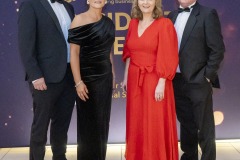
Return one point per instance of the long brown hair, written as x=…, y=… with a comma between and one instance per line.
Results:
x=137, y=13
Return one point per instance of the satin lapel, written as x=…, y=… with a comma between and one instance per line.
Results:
x=50, y=11
x=174, y=17
x=189, y=26
x=70, y=13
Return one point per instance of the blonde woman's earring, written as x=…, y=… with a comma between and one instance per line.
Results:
x=106, y=2
x=87, y=2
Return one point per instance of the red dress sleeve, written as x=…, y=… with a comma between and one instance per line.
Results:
x=126, y=52
x=167, y=54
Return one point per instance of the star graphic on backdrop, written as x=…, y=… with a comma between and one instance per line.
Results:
x=16, y=3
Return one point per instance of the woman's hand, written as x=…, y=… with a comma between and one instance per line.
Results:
x=124, y=84
x=82, y=91
x=160, y=88
x=114, y=83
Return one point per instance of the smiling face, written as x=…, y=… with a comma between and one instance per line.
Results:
x=186, y=3
x=98, y=4
x=146, y=6
x=140, y=7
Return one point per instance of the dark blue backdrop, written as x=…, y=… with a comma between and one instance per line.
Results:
x=16, y=102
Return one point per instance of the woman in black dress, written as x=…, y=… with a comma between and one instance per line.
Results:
x=91, y=38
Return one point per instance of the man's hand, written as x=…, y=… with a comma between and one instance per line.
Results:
x=39, y=84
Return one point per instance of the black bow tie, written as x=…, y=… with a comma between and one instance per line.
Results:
x=59, y=1
x=183, y=10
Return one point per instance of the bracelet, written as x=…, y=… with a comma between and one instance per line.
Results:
x=78, y=83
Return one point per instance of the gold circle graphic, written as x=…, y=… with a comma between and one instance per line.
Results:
x=218, y=117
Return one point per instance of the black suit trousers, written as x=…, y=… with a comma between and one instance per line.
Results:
x=54, y=106
x=195, y=113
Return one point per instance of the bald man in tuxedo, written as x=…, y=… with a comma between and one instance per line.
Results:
x=201, y=50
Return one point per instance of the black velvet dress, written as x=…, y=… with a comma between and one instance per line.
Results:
x=95, y=40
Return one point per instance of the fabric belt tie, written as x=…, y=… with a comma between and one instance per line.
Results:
x=142, y=72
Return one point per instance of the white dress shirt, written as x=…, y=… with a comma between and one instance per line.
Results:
x=64, y=21
x=180, y=24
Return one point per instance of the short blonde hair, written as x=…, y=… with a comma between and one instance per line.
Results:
x=137, y=13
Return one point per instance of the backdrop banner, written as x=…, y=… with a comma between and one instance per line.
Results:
x=16, y=101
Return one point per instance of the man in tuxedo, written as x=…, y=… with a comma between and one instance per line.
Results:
x=201, y=49
x=42, y=31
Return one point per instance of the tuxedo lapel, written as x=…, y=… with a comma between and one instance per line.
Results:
x=174, y=17
x=70, y=13
x=189, y=26
x=52, y=14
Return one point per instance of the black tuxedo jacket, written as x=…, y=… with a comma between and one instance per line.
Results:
x=202, y=48
x=41, y=41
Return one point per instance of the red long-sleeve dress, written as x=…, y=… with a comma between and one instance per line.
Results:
x=151, y=132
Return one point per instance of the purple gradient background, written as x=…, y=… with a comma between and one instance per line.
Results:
x=16, y=101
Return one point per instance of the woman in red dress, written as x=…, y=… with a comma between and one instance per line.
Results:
x=151, y=56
